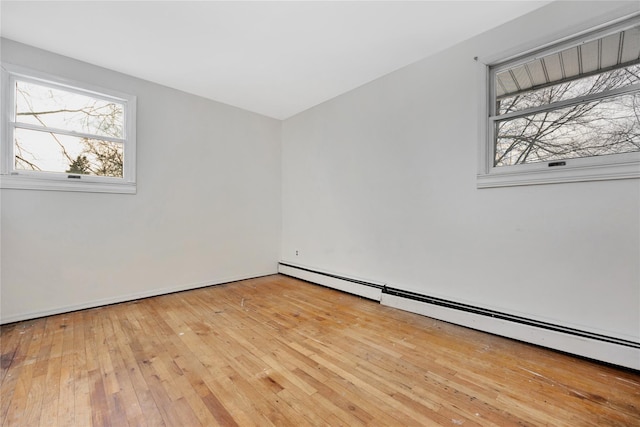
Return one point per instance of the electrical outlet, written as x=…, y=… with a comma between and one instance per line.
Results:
x=296, y=253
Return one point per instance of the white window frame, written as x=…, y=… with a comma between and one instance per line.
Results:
x=610, y=167
x=12, y=178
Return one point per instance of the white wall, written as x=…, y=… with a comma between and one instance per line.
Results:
x=380, y=184
x=207, y=208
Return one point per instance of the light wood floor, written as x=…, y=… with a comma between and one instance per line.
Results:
x=278, y=351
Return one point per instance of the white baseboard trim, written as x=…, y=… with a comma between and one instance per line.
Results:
x=331, y=280
x=125, y=298
x=610, y=352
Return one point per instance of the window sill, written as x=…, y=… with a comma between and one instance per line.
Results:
x=24, y=183
x=497, y=178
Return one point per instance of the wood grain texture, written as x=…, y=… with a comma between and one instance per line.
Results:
x=277, y=351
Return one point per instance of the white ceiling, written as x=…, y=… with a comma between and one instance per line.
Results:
x=273, y=58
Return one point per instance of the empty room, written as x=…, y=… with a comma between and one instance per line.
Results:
x=329, y=213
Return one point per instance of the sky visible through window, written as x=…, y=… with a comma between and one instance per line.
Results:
x=67, y=132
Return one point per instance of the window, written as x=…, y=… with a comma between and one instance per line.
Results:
x=566, y=113
x=61, y=135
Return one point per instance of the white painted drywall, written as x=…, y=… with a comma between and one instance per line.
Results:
x=207, y=208
x=380, y=184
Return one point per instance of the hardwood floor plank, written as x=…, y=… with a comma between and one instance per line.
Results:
x=17, y=409
x=66, y=400
x=82, y=400
x=126, y=390
x=15, y=350
x=277, y=351
x=31, y=414
x=51, y=398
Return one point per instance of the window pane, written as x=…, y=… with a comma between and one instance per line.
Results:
x=597, y=128
x=44, y=106
x=50, y=152
x=609, y=80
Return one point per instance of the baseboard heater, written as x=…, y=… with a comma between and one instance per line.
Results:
x=353, y=286
x=583, y=343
